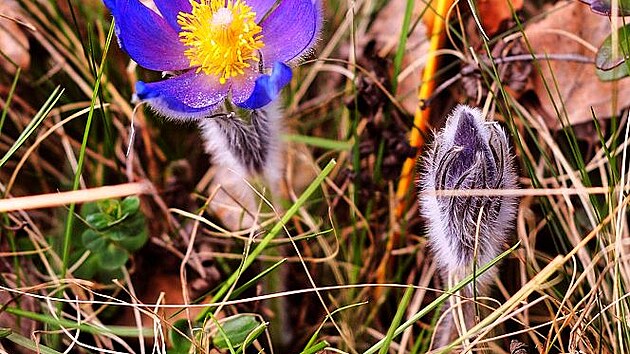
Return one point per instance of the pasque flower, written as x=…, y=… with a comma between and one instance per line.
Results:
x=214, y=49
x=469, y=153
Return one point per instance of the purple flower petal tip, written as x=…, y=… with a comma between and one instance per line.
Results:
x=143, y=92
x=164, y=103
x=184, y=97
x=268, y=87
x=110, y=4
x=146, y=37
x=291, y=29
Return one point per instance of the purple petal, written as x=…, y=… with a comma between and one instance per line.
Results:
x=291, y=29
x=171, y=8
x=184, y=97
x=146, y=36
x=268, y=87
x=243, y=86
x=260, y=7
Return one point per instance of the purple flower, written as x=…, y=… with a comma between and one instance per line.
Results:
x=215, y=49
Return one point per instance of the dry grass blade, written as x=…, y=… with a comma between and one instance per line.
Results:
x=81, y=196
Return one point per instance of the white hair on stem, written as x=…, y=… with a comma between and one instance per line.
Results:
x=250, y=147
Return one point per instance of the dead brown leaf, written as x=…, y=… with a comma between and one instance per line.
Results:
x=578, y=88
x=13, y=41
x=493, y=13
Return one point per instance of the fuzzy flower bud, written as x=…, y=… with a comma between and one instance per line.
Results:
x=468, y=153
x=464, y=230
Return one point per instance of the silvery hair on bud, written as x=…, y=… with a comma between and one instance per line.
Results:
x=468, y=153
x=249, y=148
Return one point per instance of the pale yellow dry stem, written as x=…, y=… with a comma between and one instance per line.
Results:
x=332, y=43
x=620, y=270
x=238, y=235
x=563, y=163
x=38, y=141
x=532, y=331
x=421, y=61
x=136, y=312
x=80, y=196
x=567, y=34
x=488, y=323
x=427, y=272
x=530, y=192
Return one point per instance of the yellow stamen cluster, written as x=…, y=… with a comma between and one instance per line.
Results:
x=222, y=37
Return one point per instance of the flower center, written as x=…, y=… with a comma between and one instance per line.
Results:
x=221, y=36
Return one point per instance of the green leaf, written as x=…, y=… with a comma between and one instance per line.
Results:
x=606, y=60
x=130, y=205
x=109, y=207
x=93, y=241
x=133, y=225
x=113, y=257
x=99, y=221
x=251, y=337
x=235, y=329
x=89, y=208
x=134, y=243
x=88, y=269
x=180, y=343
x=115, y=235
x=30, y=344
x=4, y=332
x=614, y=74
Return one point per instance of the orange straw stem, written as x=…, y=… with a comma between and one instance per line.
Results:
x=421, y=117
x=422, y=113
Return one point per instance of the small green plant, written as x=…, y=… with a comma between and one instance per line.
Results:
x=234, y=333
x=115, y=230
x=611, y=58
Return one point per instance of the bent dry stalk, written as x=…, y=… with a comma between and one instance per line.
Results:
x=466, y=231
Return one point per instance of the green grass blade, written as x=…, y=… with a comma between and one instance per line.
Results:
x=81, y=160
x=442, y=298
x=389, y=337
x=316, y=348
x=121, y=331
x=9, y=97
x=318, y=142
x=35, y=122
x=253, y=281
x=402, y=44
x=29, y=344
x=273, y=233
